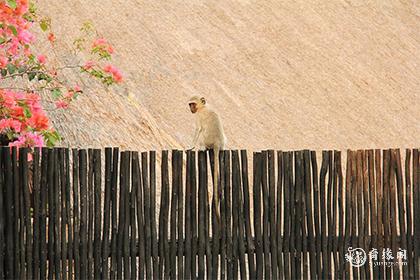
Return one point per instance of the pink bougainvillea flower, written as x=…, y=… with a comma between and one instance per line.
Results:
x=20, y=96
x=77, y=88
x=25, y=36
x=116, y=73
x=22, y=7
x=117, y=76
x=3, y=61
x=42, y=58
x=110, y=49
x=109, y=68
x=38, y=121
x=8, y=98
x=33, y=102
x=51, y=37
x=61, y=104
x=69, y=95
x=88, y=65
x=17, y=112
x=13, y=47
x=28, y=139
x=99, y=42
x=10, y=124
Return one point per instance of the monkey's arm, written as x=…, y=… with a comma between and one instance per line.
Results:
x=196, y=137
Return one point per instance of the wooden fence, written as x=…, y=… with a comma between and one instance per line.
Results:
x=69, y=214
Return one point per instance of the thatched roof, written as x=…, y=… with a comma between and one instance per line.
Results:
x=282, y=74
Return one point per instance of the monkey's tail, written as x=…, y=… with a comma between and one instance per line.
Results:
x=216, y=185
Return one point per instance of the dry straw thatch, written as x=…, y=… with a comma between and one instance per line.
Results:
x=283, y=74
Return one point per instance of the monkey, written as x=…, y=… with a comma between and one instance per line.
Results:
x=208, y=134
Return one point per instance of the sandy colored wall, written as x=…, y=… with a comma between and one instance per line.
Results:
x=282, y=74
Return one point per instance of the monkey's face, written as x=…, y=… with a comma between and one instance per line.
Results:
x=193, y=107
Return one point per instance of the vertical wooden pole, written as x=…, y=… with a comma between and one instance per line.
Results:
x=235, y=216
x=408, y=203
x=9, y=213
x=307, y=189
x=36, y=214
x=137, y=181
x=247, y=215
x=23, y=166
x=152, y=168
x=18, y=217
x=90, y=221
x=386, y=210
x=287, y=212
x=324, y=167
x=188, y=233
x=70, y=221
x=416, y=210
x=83, y=214
x=76, y=213
x=316, y=199
x=223, y=216
x=360, y=211
x=107, y=214
x=257, y=214
x=240, y=213
x=114, y=205
x=133, y=220
x=147, y=221
x=272, y=211
x=98, y=212
x=280, y=214
x=393, y=210
x=335, y=206
x=299, y=214
x=127, y=216
x=2, y=216
x=174, y=202
x=180, y=224
x=330, y=212
x=380, y=203
x=194, y=211
x=366, y=211
x=163, y=219
x=64, y=225
x=202, y=190
x=373, y=207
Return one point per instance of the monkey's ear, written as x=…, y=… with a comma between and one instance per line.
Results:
x=203, y=100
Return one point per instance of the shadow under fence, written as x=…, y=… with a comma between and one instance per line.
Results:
x=111, y=214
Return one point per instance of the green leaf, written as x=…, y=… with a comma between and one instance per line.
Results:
x=11, y=68
x=32, y=8
x=21, y=69
x=56, y=93
x=27, y=113
x=51, y=138
x=2, y=41
x=4, y=72
x=13, y=29
x=45, y=24
x=44, y=77
x=31, y=76
x=11, y=4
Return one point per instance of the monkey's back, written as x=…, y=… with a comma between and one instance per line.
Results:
x=212, y=129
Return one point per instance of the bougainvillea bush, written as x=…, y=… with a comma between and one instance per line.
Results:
x=26, y=74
